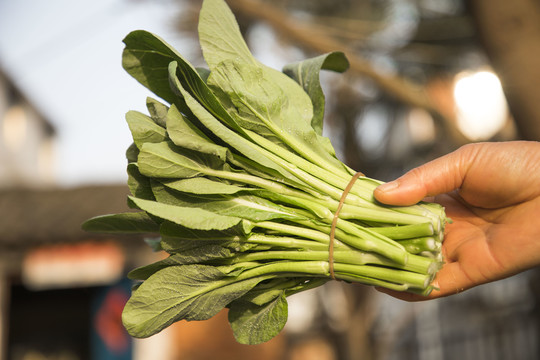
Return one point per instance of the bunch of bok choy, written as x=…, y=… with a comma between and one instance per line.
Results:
x=232, y=172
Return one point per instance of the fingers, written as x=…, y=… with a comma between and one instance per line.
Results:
x=477, y=184
x=439, y=176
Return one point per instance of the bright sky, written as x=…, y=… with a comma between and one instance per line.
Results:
x=66, y=57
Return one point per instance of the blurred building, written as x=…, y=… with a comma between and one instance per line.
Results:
x=61, y=289
x=26, y=140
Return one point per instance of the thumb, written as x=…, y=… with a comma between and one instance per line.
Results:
x=436, y=177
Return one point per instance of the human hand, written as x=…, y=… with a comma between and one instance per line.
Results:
x=491, y=191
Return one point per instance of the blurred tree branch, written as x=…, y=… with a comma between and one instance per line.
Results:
x=315, y=39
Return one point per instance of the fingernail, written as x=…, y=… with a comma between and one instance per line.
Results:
x=388, y=187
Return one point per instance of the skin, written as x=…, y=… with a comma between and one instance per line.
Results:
x=491, y=191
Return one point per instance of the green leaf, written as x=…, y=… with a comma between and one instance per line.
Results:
x=172, y=230
x=273, y=106
x=255, y=101
x=202, y=254
x=139, y=185
x=176, y=238
x=203, y=73
x=146, y=57
x=189, y=292
x=253, y=324
x=254, y=168
x=267, y=291
x=132, y=152
x=222, y=42
x=144, y=129
x=202, y=185
x=129, y=223
x=248, y=207
x=183, y=133
x=164, y=160
x=144, y=272
x=231, y=138
x=193, y=218
x=182, y=76
x=258, y=96
x=157, y=110
x=225, y=51
x=195, y=255
x=181, y=246
x=306, y=73
x=220, y=35
x=186, y=83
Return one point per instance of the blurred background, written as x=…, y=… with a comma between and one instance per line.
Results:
x=426, y=77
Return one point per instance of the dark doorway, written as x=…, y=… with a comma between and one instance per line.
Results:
x=55, y=324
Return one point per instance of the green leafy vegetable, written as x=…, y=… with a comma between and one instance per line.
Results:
x=233, y=176
x=306, y=73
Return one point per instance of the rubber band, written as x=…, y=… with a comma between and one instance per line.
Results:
x=334, y=223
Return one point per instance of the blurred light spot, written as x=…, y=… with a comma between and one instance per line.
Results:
x=372, y=129
x=400, y=25
x=441, y=8
x=421, y=126
x=481, y=107
x=302, y=310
